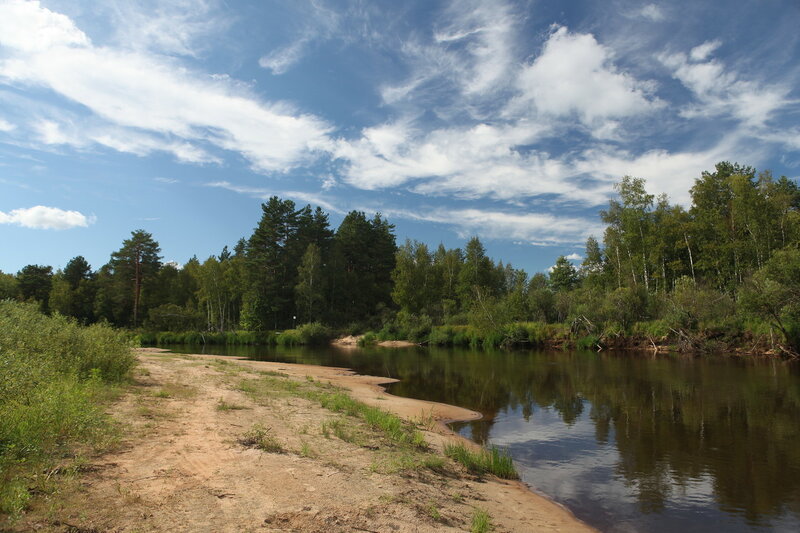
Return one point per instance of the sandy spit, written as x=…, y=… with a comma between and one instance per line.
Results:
x=181, y=467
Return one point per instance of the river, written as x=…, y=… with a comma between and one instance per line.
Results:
x=628, y=442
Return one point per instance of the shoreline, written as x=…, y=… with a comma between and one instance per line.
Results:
x=370, y=390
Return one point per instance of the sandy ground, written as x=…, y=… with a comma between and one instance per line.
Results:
x=352, y=341
x=181, y=467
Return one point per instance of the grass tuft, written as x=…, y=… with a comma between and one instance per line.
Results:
x=222, y=405
x=481, y=523
x=491, y=461
x=259, y=437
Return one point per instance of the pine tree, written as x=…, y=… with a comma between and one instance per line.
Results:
x=137, y=262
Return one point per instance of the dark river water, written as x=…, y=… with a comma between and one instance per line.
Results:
x=629, y=442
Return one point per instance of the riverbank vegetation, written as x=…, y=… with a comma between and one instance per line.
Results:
x=719, y=274
x=55, y=379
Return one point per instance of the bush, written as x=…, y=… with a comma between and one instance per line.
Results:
x=314, y=333
x=51, y=387
x=368, y=338
x=288, y=337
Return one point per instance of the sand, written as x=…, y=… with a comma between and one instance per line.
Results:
x=180, y=465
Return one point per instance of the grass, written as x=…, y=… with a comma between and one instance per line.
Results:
x=306, y=450
x=174, y=390
x=393, y=427
x=259, y=437
x=402, y=447
x=491, y=461
x=222, y=405
x=342, y=431
x=481, y=523
x=56, y=378
x=433, y=511
x=408, y=461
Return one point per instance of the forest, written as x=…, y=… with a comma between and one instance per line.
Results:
x=722, y=274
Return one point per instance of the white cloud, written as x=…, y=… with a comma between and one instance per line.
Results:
x=41, y=217
x=672, y=173
x=486, y=30
x=281, y=59
x=701, y=52
x=718, y=91
x=471, y=161
x=652, y=12
x=173, y=27
x=575, y=256
x=468, y=59
x=263, y=194
x=82, y=134
x=318, y=23
x=168, y=181
x=147, y=93
x=574, y=75
x=6, y=126
x=30, y=28
x=541, y=228
x=329, y=182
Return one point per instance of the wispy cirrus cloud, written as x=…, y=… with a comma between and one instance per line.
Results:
x=42, y=217
x=719, y=91
x=534, y=228
x=264, y=193
x=6, y=126
x=151, y=96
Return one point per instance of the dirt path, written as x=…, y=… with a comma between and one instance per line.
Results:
x=182, y=467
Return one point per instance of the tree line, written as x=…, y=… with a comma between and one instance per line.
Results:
x=293, y=269
x=726, y=266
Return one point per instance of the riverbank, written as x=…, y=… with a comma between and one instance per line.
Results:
x=222, y=444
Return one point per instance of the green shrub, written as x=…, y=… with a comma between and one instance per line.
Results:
x=588, y=342
x=314, y=333
x=441, y=335
x=53, y=380
x=368, y=338
x=651, y=329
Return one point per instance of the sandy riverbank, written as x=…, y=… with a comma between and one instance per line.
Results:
x=181, y=467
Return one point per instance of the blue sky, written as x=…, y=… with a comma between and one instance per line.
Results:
x=508, y=120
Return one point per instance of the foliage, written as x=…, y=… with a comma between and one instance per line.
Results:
x=34, y=283
x=563, y=277
x=171, y=317
x=54, y=377
x=774, y=294
x=704, y=273
x=136, y=263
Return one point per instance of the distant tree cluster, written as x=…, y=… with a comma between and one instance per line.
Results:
x=293, y=269
x=728, y=262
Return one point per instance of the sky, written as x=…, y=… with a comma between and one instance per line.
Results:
x=509, y=120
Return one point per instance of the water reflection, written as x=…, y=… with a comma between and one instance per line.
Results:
x=628, y=442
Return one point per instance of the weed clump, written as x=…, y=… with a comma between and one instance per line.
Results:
x=259, y=437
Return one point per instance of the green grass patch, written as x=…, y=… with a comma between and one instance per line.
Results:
x=491, y=461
